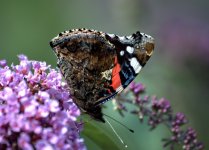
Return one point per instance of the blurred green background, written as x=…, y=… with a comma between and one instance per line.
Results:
x=178, y=69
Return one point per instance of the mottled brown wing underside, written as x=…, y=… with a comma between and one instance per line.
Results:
x=84, y=60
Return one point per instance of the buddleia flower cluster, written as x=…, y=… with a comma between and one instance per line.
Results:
x=36, y=111
x=158, y=111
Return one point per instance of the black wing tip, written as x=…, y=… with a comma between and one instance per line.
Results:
x=51, y=44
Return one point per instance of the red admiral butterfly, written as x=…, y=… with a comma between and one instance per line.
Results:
x=98, y=65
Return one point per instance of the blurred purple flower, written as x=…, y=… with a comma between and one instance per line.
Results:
x=137, y=88
x=36, y=111
x=185, y=37
x=158, y=111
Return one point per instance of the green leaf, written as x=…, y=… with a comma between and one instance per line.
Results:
x=99, y=137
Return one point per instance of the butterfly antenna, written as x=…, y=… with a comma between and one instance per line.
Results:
x=116, y=133
x=119, y=123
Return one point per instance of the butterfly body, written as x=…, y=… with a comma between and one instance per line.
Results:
x=98, y=65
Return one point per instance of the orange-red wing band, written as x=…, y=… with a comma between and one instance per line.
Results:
x=116, y=82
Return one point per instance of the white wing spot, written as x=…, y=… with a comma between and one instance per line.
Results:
x=122, y=38
x=111, y=35
x=129, y=49
x=129, y=37
x=121, y=53
x=135, y=64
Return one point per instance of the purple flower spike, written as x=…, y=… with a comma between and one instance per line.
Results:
x=158, y=111
x=36, y=111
